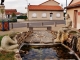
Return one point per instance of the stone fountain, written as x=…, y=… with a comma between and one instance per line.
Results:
x=40, y=45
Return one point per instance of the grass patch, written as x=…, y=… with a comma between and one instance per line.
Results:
x=7, y=56
x=0, y=39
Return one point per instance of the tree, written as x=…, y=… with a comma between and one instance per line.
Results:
x=13, y=18
x=13, y=14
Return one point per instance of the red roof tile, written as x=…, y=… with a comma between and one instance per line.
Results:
x=71, y=2
x=44, y=8
x=10, y=11
x=74, y=5
x=17, y=13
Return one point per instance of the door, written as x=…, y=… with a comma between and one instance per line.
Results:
x=75, y=19
x=51, y=16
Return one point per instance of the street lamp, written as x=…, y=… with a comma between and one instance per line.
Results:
x=66, y=3
x=66, y=6
x=27, y=8
x=27, y=3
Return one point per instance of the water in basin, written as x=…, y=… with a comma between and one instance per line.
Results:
x=54, y=52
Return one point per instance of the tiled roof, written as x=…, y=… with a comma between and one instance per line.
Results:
x=17, y=13
x=71, y=2
x=74, y=5
x=44, y=8
x=48, y=1
x=77, y=3
x=10, y=11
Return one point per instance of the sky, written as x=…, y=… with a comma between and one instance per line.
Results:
x=21, y=4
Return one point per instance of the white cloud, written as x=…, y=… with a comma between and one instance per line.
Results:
x=21, y=4
x=10, y=0
x=16, y=4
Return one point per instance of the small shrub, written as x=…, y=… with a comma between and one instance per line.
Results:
x=14, y=20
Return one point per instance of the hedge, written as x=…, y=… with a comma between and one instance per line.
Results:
x=10, y=20
x=21, y=17
x=14, y=20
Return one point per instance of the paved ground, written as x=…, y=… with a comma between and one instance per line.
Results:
x=35, y=23
x=21, y=29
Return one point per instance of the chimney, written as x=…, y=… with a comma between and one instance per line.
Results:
x=50, y=0
x=61, y=5
x=29, y=4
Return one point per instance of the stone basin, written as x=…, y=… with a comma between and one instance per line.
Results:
x=56, y=51
x=39, y=45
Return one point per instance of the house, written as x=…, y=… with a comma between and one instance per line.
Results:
x=49, y=10
x=9, y=12
x=73, y=9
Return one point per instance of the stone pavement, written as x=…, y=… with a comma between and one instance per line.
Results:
x=26, y=29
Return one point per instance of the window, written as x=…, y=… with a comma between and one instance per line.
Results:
x=44, y=15
x=58, y=15
x=34, y=15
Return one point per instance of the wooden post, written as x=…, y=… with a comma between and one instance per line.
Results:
x=12, y=25
x=49, y=28
x=27, y=25
x=55, y=24
x=30, y=28
x=42, y=23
